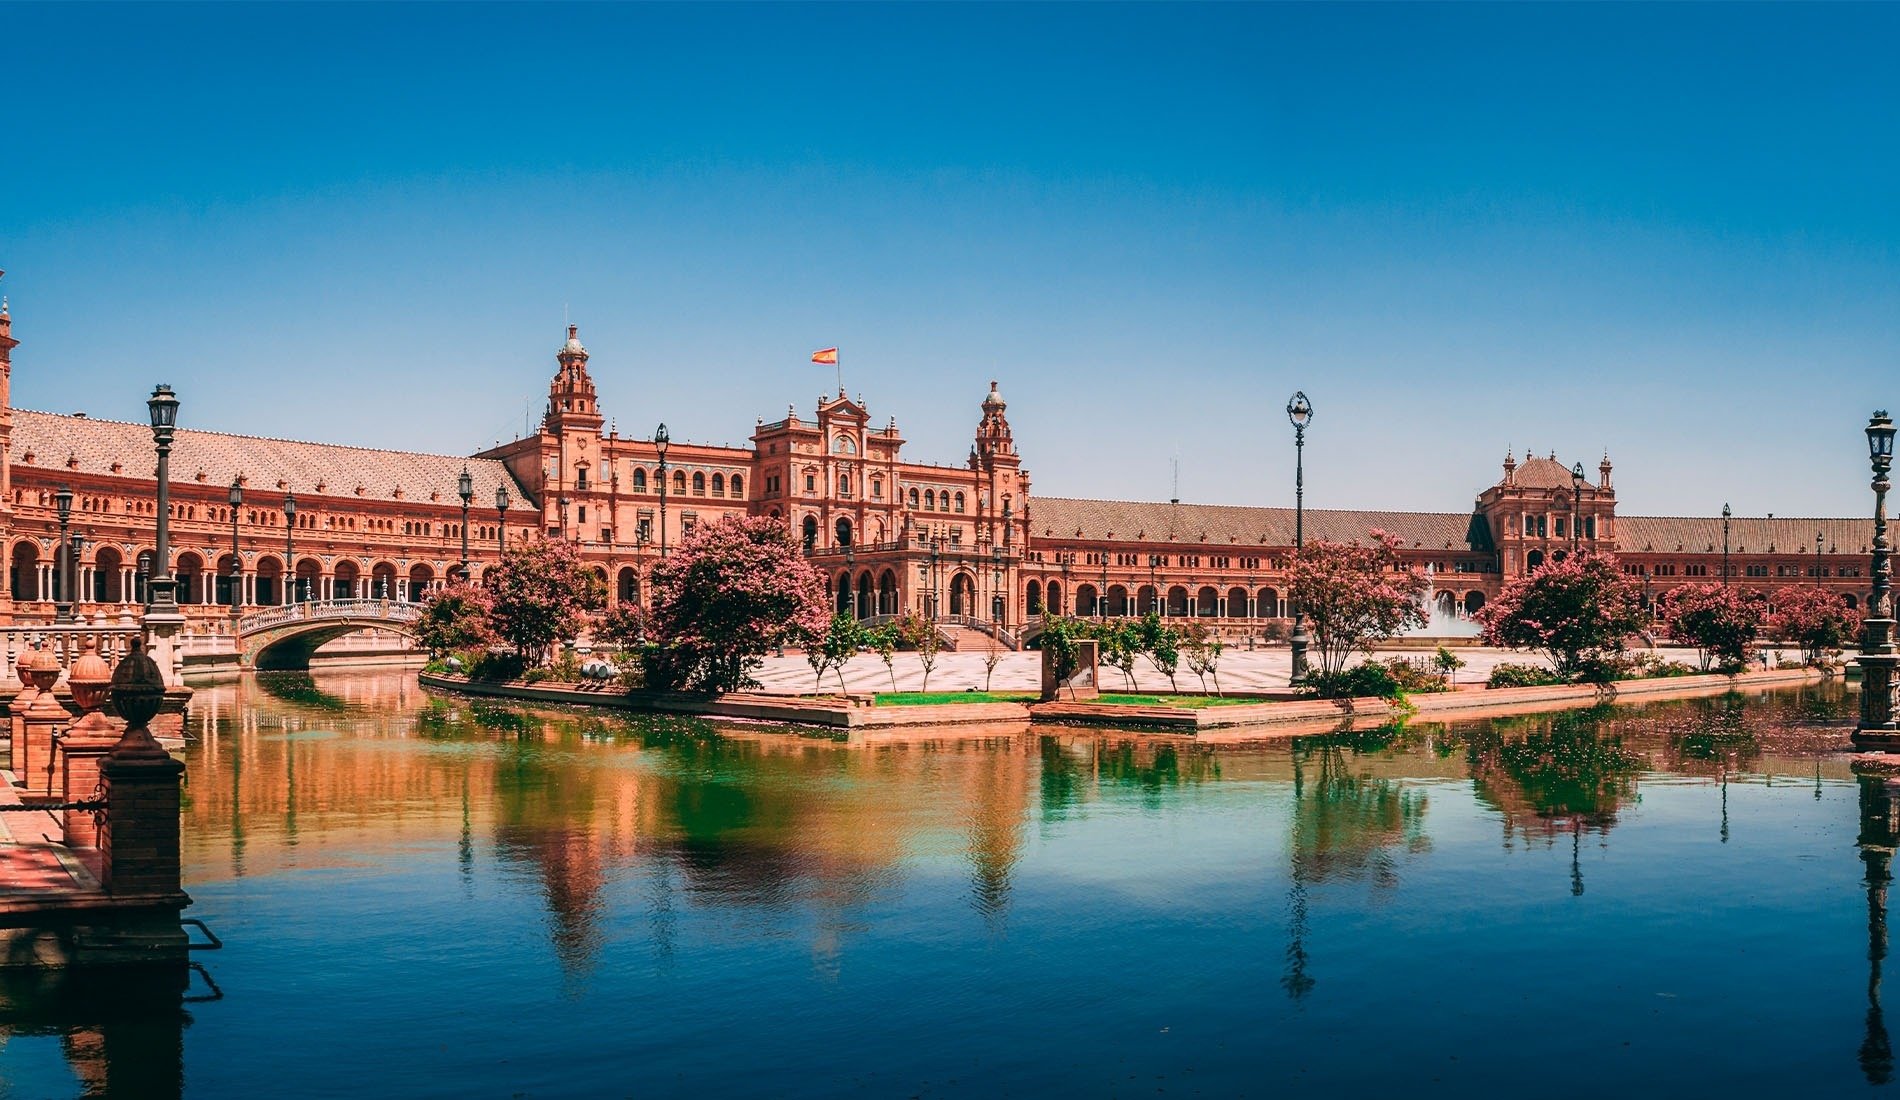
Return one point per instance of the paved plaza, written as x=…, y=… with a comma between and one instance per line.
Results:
x=1240, y=670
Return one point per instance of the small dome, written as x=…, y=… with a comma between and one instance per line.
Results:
x=994, y=398
x=573, y=345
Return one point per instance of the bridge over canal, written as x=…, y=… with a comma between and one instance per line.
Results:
x=284, y=637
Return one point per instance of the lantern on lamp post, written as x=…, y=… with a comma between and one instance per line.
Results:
x=62, y=564
x=1877, y=728
x=1299, y=411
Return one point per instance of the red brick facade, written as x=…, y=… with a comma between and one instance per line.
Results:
x=891, y=534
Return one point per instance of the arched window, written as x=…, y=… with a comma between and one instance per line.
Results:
x=930, y=500
x=738, y=485
x=719, y=485
x=679, y=482
x=699, y=485
x=639, y=480
x=811, y=533
x=844, y=485
x=843, y=531
x=959, y=502
x=913, y=496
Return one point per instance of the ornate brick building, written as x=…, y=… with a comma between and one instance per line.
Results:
x=967, y=540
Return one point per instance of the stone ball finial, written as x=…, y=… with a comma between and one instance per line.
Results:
x=89, y=678
x=138, y=690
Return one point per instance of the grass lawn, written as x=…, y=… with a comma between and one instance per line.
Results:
x=934, y=698
x=1191, y=702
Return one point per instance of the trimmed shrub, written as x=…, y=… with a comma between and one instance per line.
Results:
x=1519, y=676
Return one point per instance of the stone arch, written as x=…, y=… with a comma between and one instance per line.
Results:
x=811, y=533
x=887, y=593
x=24, y=571
x=1117, y=599
x=627, y=585
x=1266, y=604
x=108, y=576
x=142, y=575
x=962, y=594
x=1236, y=603
x=1056, y=606
x=421, y=579
x=1087, y=601
x=309, y=580
x=1474, y=602
x=268, y=580
x=1446, y=603
x=738, y=485
x=930, y=500
x=1853, y=602
x=382, y=580
x=1032, y=597
x=346, y=580
x=841, y=592
x=719, y=485
x=639, y=480
x=959, y=502
x=228, y=581
x=842, y=531
x=189, y=574
x=867, y=596
x=1177, y=606
x=1533, y=559
x=679, y=483
x=913, y=496
x=699, y=483
x=1146, y=600
x=1206, y=602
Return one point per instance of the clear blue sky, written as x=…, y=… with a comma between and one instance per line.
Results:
x=1668, y=231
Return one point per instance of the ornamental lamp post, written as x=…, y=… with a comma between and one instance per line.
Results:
x=236, y=498
x=1725, y=516
x=62, y=563
x=1877, y=659
x=1576, y=507
x=163, y=406
x=1299, y=411
x=465, y=488
x=290, y=546
x=660, y=440
x=501, y=519
x=1818, y=571
x=996, y=586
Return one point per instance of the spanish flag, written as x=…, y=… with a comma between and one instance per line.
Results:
x=829, y=357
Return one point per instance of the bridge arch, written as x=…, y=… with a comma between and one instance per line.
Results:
x=285, y=637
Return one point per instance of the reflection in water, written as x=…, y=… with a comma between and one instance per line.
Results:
x=694, y=874
x=1346, y=826
x=122, y=1032
x=1878, y=795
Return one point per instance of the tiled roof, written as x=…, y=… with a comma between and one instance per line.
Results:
x=1059, y=518
x=1544, y=473
x=1746, y=535
x=97, y=444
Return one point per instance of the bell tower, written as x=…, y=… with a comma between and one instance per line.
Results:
x=7, y=344
x=571, y=402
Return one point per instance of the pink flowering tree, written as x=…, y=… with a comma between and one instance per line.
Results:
x=539, y=594
x=454, y=617
x=1813, y=618
x=1576, y=612
x=1720, y=621
x=729, y=594
x=1354, y=596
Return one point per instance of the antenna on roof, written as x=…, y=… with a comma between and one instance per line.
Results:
x=1175, y=498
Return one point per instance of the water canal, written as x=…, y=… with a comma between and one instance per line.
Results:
x=424, y=897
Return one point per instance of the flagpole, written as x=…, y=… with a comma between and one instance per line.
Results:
x=838, y=361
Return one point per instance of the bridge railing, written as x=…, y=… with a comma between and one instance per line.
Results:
x=314, y=610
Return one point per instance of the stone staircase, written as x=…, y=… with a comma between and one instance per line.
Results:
x=963, y=639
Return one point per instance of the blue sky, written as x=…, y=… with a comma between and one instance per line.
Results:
x=1667, y=231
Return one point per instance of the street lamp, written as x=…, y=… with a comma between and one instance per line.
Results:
x=501, y=519
x=1300, y=412
x=1101, y=595
x=163, y=407
x=1154, y=590
x=936, y=550
x=63, y=606
x=290, y=547
x=236, y=499
x=1818, y=571
x=1576, y=506
x=1725, y=516
x=996, y=586
x=1877, y=729
x=660, y=440
x=465, y=488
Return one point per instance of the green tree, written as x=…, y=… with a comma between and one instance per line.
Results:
x=1354, y=596
x=539, y=593
x=832, y=649
x=1058, y=641
x=1203, y=648
x=729, y=594
x=454, y=617
x=1162, y=644
x=920, y=633
x=1448, y=663
x=883, y=638
x=1718, y=620
x=1120, y=646
x=1576, y=612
